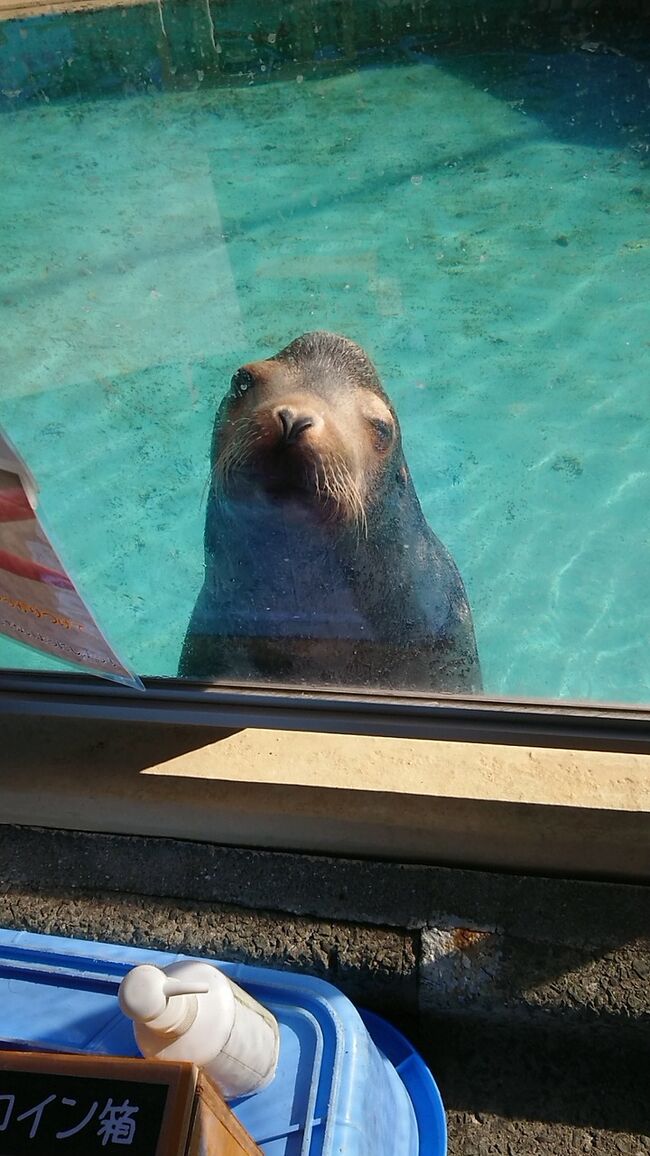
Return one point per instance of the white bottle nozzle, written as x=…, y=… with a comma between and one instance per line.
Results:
x=177, y=987
x=168, y=1005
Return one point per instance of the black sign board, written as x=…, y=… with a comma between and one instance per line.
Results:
x=87, y=1105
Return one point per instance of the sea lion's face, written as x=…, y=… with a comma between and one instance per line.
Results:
x=310, y=428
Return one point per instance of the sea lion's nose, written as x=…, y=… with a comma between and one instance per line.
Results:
x=292, y=424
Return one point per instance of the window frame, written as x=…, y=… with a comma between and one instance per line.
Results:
x=171, y=701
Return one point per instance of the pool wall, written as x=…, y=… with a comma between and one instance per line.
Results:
x=125, y=47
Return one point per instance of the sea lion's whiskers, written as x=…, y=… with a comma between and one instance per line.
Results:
x=335, y=485
x=343, y=490
x=209, y=481
x=329, y=491
x=238, y=459
x=351, y=491
x=223, y=462
x=235, y=454
x=356, y=502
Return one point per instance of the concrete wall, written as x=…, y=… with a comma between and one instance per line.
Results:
x=571, y=812
x=529, y=997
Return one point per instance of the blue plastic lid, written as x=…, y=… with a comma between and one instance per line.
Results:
x=419, y=1083
x=347, y=1083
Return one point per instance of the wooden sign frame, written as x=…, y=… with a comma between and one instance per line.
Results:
x=191, y=1116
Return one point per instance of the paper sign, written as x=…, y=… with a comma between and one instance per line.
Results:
x=39, y=604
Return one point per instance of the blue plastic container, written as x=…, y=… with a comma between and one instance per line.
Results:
x=347, y=1083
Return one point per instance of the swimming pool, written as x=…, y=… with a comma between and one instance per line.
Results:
x=477, y=220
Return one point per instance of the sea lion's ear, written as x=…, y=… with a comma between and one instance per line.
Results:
x=402, y=476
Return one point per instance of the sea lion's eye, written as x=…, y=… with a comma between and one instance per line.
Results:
x=241, y=381
x=384, y=432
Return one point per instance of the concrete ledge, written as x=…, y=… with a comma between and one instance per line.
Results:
x=493, y=946
x=468, y=972
x=20, y=9
x=559, y=812
x=484, y=1134
x=520, y=1072
x=585, y=915
x=376, y=966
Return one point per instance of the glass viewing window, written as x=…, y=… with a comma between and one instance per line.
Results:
x=325, y=340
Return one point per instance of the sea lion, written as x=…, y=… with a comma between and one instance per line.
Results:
x=320, y=568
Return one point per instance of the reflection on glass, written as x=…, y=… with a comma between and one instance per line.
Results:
x=186, y=188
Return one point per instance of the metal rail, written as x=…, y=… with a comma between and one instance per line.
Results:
x=481, y=720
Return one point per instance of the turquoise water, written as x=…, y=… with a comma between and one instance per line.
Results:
x=478, y=224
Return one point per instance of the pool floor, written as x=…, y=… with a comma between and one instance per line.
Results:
x=478, y=223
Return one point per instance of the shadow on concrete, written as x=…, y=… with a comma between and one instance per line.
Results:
x=589, y=1079
x=28, y=745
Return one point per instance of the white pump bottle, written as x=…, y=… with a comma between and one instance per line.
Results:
x=192, y=1011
